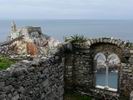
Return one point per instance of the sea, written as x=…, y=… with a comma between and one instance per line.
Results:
x=59, y=29
x=112, y=80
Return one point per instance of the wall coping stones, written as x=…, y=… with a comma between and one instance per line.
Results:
x=90, y=42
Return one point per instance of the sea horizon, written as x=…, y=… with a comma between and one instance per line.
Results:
x=60, y=28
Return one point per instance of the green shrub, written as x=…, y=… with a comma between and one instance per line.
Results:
x=76, y=39
x=5, y=62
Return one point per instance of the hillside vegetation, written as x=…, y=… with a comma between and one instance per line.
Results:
x=5, y=62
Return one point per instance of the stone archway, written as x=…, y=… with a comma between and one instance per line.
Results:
x=109, y=49
x=81, y=69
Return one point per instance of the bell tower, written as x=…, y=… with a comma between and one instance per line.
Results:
x=13, y=34
x=13, y=27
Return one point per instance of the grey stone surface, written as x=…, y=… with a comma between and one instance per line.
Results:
x=36, y=80
x=131, y=95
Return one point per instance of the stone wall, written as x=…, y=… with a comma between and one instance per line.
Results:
x=80, y=69
x=41, y=79
x=126, y=86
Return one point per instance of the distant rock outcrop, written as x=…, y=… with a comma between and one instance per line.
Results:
x=28, y=40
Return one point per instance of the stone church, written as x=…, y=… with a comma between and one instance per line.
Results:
x=30, y=41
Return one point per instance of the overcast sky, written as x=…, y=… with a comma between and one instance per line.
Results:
x=66, y=9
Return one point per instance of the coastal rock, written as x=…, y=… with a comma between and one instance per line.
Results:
x=28, y=40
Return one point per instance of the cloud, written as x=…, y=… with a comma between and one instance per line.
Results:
x=59, y=9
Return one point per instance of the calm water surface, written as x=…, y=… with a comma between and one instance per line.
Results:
x=122, y=29
x=112, y=79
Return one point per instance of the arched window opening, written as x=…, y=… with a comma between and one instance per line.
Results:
x=106, y=71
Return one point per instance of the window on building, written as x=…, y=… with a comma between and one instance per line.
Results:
x=106, y=71
x=34, y=35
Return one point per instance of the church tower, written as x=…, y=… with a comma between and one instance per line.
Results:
x=13, y=27
x=14, y=34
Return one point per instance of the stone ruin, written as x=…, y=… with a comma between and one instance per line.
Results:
x=82, y=67
x=73, y=67
x=28, y=41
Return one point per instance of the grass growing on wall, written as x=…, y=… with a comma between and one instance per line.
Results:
x=5, y=62
x=75, y=96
